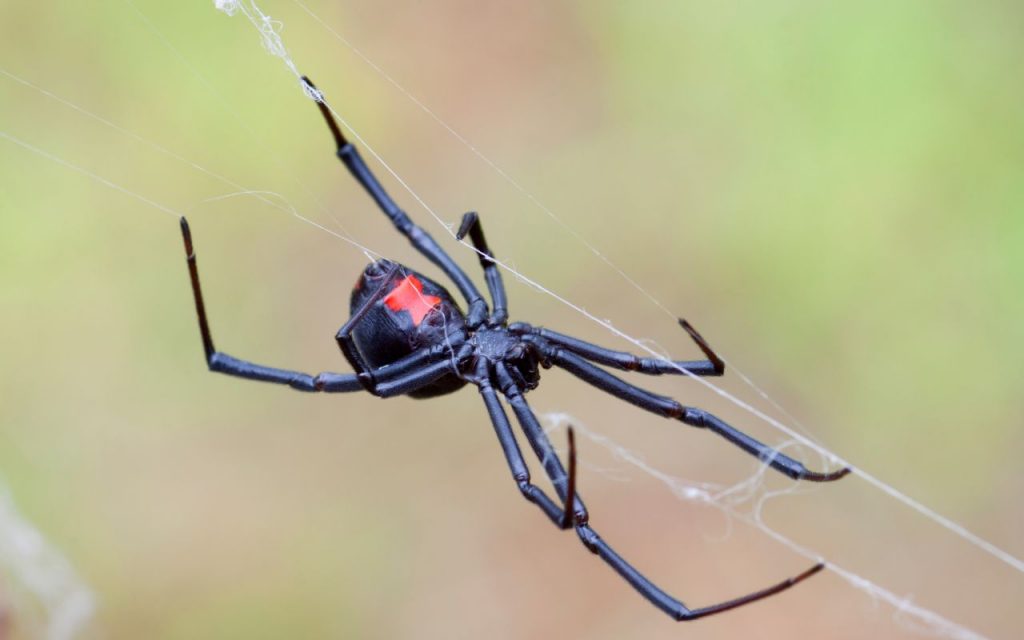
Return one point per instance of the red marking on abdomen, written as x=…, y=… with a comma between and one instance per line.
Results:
x=408, y=296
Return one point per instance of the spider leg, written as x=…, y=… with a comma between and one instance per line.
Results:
x=416, y=235
x=624, y=361
x=570, y=490
x=539, y=442
x=667, y=603
x=414, y=379
x=670, y=408
x=471, y=225
x=454, y=349
x=395, y=376
x=592, y=541
x=514, y=457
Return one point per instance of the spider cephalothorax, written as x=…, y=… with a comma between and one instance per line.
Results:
x=407, y=336
x=519, y=357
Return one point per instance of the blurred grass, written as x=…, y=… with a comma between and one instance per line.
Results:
x=833, y=195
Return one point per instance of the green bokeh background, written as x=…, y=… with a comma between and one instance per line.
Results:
x=833, y=195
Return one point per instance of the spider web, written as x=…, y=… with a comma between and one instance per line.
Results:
x=725, y=498
x=52, y=601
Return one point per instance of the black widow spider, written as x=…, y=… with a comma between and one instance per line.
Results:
x=407, y=336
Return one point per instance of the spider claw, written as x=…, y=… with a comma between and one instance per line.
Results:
x=807, y=574
x=469, y=221
x=186, y=235
x=703, y=345
x=815, y=476
x=339, y=138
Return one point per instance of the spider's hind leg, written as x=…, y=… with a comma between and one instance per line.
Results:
x=667, y=603
x=565, y=485
x=513, y=456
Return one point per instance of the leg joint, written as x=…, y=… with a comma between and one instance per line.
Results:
x=527, y=488
x=587, y=536
x=692, y=417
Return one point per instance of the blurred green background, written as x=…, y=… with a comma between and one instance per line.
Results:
x=833, y=195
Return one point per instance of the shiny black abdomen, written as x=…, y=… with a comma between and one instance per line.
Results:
x=414, y=312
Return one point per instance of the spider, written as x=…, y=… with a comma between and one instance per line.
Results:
x=408, y=336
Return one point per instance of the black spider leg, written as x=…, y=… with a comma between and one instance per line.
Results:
x=669, y=408
x=624, y=361
x=509, y=446
x=570, y=489
x=495, y=285
x=538, y=441
x=425, y=375
x=405, y=375
x=416, y=235
x=565, y=486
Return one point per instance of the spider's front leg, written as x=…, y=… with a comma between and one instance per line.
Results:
x=417, y=236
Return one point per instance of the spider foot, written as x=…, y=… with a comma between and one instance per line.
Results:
x=709, y=353
x=339, y=138
x=683, y=614
x=815, y=476
x=186, y=235
x=766, y=454
x=469, y=221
